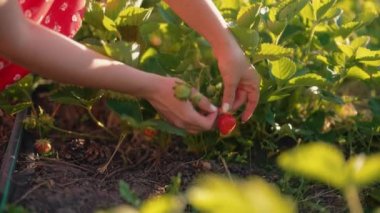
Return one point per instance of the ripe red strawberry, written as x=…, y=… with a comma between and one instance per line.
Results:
x=226, y=123
x=42, y=146
x=149, y=133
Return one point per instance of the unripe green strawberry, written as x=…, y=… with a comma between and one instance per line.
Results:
x=42, y=146
x=30, y=123
x=226, y=123
x=211, y=90
x=182, y=91
x=46, y=120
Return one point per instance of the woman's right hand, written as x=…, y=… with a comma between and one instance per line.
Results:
x=182, y=113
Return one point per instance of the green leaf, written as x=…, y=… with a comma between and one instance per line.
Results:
x=129, y=108
x=215, y=194
x=272, y=52
x=150, y=63
x=16, y=97
x=318, y=161
x=310, y=79
x=374, y=105
x=247, y=15
x=109, y=24
x=133, y=16
x=125, y=52
x=339, y=58
x=369, y=14
x=368, y=57
x=346, y=49
x=168, y=15
x=277, y=97
x=316, y=121
x=163, y=204
x=332, y=14
x=323, y=59
x=114, y=7
x=330, y=97
x=364, y=170
x=228, y=4
x=94, y=15
x=376, y=77
x=127, y=194
x=361, y=41
x=74, y=95
x=358, y=73
x=308, y=13
x=248, y=39
x=283, y=69
x=324, y=8
x=347, y=28
x=112, y=95
x=289, y=9
x=163, y=126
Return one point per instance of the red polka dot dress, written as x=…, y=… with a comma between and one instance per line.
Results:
x=63, y=16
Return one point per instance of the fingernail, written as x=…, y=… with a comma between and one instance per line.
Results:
x=225, y=108
x=213, y=108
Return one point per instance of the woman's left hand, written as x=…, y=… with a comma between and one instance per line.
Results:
x=240, y=78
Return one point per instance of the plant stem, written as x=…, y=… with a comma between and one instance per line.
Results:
x=309, y=43
x=226, y=167
x=103, y=168
x=75, y=133
x=99, y=123
x=352, y=197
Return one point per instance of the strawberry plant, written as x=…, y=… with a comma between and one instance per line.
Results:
x=322, y=162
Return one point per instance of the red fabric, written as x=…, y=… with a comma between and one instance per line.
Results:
x=63, y=16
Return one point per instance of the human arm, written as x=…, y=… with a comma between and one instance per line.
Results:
x=56, y=57
x=241, y=81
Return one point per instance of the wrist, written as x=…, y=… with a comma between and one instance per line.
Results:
x=151, y=87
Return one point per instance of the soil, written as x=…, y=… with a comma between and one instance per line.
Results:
x=6, y=124
x=69, y=180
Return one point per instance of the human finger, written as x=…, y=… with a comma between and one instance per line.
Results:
x=241, y=98
x=202, y=102
x=252, y=101
x=228, y=97
x=204, y=122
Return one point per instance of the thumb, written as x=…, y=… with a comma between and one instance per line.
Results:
x=228, y=97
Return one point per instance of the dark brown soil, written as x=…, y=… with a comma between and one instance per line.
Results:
x=6, y=124
x=59, y=185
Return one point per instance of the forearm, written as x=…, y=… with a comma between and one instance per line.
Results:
x=56, y=57
x=204, y=17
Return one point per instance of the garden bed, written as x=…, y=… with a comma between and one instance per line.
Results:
x=69, y=180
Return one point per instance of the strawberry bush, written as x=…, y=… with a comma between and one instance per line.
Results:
x=320, y=66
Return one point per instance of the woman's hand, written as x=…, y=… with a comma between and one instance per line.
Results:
x=241, y=80
x=182, y=113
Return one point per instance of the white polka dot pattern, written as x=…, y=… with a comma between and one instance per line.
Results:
x=64, y=6
x=63, y=16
